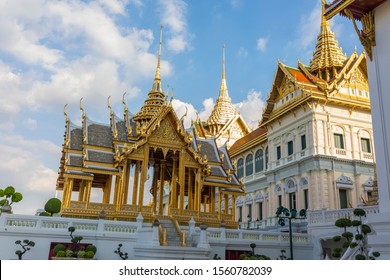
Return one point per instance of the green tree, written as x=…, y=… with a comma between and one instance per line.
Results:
x=52, y=206
x=351, y=240
x=11, y=197
x=26, y=246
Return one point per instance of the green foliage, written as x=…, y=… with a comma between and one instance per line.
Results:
x=81, y=254
x=53, y=206
x=253, y=257
x=358, y=212
x=366, y=229
x=44, y=214
x=347, y=234
x=336, y=238
x=343, y=223
x=69, y=253
x=125, y=256
x=58, y=247
x=76, y=251
x=89, y=254
x=26, y=246
x=360, y=257
x=356, y=223
x=10, y=196
x=91, y=248
x=61, y=254
x=359, y=239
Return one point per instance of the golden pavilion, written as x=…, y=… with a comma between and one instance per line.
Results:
x=148, y=164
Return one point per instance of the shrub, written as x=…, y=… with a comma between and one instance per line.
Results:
x=53, y=206
x=89, y=254
x=81, y=254
x=69, y=253
x=61, y=254
x=58, y=247
x=91, y=248
x=10, y=196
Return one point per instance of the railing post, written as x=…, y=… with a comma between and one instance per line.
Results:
x=140, y=220
x=203, y=242
x=192, y=226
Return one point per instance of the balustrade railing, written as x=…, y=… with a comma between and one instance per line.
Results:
x=330, y=216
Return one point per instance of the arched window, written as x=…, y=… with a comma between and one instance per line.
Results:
x=249, y=165
x=240, y=168
x=266, y=158
x=259, y=161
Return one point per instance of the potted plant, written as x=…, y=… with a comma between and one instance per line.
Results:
x=74, y=250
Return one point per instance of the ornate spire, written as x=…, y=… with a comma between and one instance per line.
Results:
x=328, y=56
x=223, y=92
x=156, y=97
x=223, y=109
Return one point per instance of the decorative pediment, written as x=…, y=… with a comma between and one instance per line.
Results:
x=259, y=197
x=344, y=181
x=166, y=134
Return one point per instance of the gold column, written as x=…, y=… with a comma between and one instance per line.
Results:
x=135, y=185
x=65, y=192
x=234, y=207
x=154, y=186
x=200, y=186
x=69, y=192
x=81, y=191
x=190, y=189
x=126, y=179
x=220, y=205
x=88, y=194
x=226, y=199
x=182, y=173
x=107, y=190
x=144, y=174
x=161, y=194
x=212, y=200
x=116, y=189
x=173, y=182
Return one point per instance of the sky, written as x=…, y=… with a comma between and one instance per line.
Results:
x=54, y=53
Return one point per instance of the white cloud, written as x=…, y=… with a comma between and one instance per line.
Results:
x=262, y=44
x=251, y=108
x=242, y=52
x=31, y=124
x=173, y=16
x=181, y=107
x=309, y=27
x=25, y=164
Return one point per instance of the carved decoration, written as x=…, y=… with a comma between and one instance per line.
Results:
x=367, y=35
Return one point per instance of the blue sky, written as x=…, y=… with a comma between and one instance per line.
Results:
x=53, y=53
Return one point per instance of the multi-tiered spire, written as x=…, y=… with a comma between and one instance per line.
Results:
x=156, y=96
x=223, y=109
x=328, y=57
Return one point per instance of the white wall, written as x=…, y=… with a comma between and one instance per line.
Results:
x=378, y=74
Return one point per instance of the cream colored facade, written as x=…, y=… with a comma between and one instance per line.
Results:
x=314, y=145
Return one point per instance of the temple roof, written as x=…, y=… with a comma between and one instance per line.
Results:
x=327, y=54
x=357, y=7
x=223, y=109
x=156, y=97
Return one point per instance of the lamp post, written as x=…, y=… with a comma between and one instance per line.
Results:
x=283, y=213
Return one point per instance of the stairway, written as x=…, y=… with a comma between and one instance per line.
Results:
x=173, y=237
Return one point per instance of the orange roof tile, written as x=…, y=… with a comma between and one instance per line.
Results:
x=299, y=75
x=254, y=134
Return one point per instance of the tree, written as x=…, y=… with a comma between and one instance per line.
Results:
x=52, y=206
x=26, y=246
x=11, y=197
x=122, y=255
x=352, y=241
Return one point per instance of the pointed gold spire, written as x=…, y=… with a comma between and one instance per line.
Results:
x=157, y=78
x=328, y=56
x=223, y=92
x=156, y=97
x=223, y=109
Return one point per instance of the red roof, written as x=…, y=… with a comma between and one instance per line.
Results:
x=299, y=75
